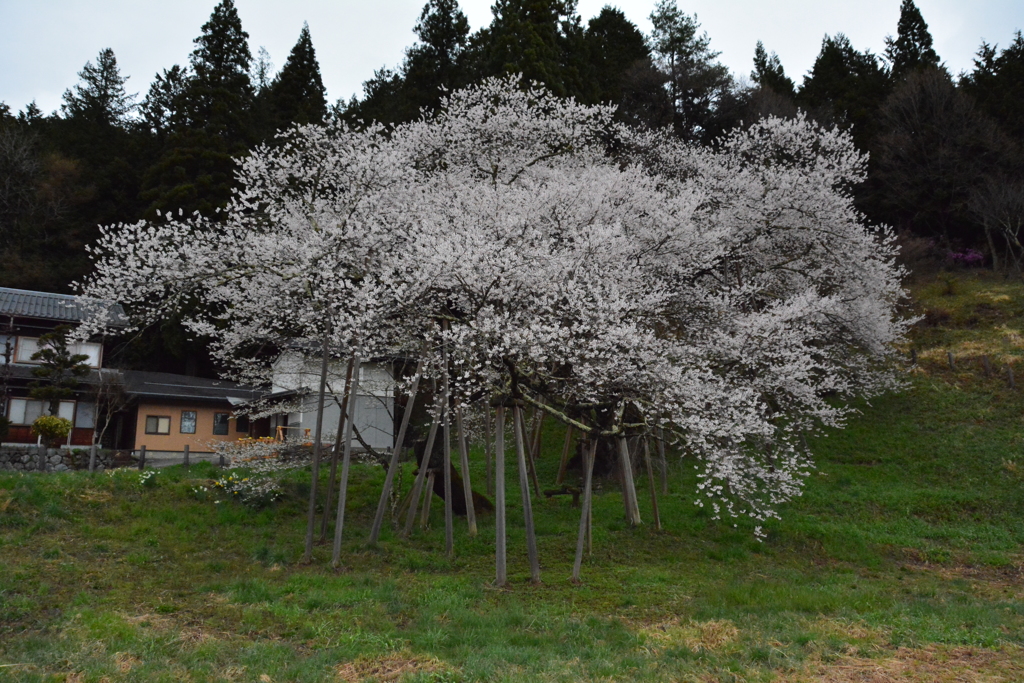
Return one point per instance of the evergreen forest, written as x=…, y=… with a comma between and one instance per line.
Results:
x=946, y=150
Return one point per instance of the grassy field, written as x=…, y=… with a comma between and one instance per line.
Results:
x=902, y=562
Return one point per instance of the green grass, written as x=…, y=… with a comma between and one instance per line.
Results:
x=906, y=550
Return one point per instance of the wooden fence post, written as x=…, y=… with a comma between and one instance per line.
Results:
x=952, y=363
x=42, y=456
x=92, y=457
x=987, y=364
x=142, y=457
x=186, y=456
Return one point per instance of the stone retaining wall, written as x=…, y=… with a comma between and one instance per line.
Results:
x=26, y=459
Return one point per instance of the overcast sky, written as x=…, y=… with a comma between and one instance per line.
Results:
x=45, y=43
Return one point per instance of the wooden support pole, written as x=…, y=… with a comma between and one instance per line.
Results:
x=449, y=526
x=531, y=469
x=524, y=488
x=467, y=488
x=42, y=456
x=396, y=452
x=650, y=483
x=187, y=456
x=421, y=475
x=92, y=457
x=346, y=458
x=664, y=461
x=427, y=498
x=222, y=462
x=307, y=555
x=500, y=569
x=628, y=485
x=339, y=434
x=142, y=457
x=913, y=356
x=488, y=484
x=535, y=449
x=952, y=363
x=565, y=456
x=589, y=454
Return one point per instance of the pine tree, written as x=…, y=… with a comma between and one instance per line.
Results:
x=615, y=46
x=911, y=49
x=698, y=84
x=846, y=87
x=59, y=370
x=297, y=94
x=768, y=72
x=219, y=93
x=997, y=83
x=434, y=65
x=196, y=169
x=100, y=97
x=540, y=39
x=162, y=109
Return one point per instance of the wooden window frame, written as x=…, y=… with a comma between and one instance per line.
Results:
x=158, y=418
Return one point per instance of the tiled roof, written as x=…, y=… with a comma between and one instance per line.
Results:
x=167, y=386
x=50, y=306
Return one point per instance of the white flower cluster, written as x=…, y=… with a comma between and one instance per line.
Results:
x=622, y=281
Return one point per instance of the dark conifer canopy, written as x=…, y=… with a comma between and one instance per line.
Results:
x=615, y=45
x=768, y=72
x=298, y=94
x=911, y=49
x=100, y=96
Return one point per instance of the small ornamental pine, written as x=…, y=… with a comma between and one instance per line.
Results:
x=59, y=369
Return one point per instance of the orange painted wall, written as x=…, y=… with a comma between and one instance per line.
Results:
x=175, y=441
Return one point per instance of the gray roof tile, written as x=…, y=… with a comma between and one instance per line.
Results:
x=50, y=306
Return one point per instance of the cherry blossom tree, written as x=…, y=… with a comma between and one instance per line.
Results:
x=624, y=282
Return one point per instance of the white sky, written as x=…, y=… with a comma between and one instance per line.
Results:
x=45, y=43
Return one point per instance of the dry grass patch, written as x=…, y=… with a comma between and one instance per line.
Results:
x=707, y=636
x=928, y=665
x=392, y=667
x=125, y=661
x=843, y=629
